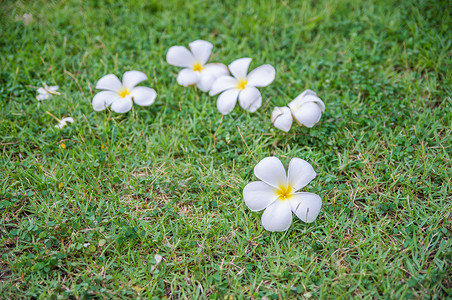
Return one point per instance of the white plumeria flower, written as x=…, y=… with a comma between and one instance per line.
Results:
x=242, y=86
x=63, y=122
x=122, y=95
x=196, y=71
x=46, y=92
x=306, y=109
x=282, y=118
x=277, y=193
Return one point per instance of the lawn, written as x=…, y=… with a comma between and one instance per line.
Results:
x=85, y=209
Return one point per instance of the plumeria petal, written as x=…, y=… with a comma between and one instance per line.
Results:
x=122, y=105
x=300, y=173
x=271, y=171
x=308, y=114
x=41, y=97
x=201, y=50
x=109, y=82
x=250, y=99
x=143, y=96
x=258, y=195
x=223, y=83
x=104, y=99
x=305, y=97
x=261, y=76
x=210, y=73
x=64, y=121
x=306, y=206
x=282, y=118
x=277, y=216
x=53, y=88
x=180, y=56
x=227, y=100
x=239, y=67
x=187, y=77
x=42, y=90
x=131, y=78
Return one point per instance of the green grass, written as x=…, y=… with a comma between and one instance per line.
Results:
x=168, y=179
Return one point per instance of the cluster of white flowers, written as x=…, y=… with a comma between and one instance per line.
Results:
x=277, y=191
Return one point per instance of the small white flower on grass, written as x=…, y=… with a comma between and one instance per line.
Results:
x=196, y=71
x=277, y=193
x=63, y=122
x=306, y=109
x=282, y=118
x=120, y=96
x=242, y=85
x=46, y=92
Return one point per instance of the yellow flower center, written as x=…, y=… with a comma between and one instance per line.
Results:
x=198, y=67
x=242, y=84
x=284, y=192
x=124, y=92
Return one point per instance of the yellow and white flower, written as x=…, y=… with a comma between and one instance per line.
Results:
x=121, y=96
x=277, y=193
x=196, y=70
x=242, y=86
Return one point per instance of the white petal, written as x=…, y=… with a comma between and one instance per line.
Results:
x=131, y=78
x=180, y=56
x=187, y=77
x=300, y=173
x=109, y=82
x=143, y=96
x=250, y=99
x=278, y=216
x=64, y=121
x=122, y=105
x=308, y=114
x=42, y=90
x=43, y=97
x=227, y=100
x=210, y=73
x=158, y=259
x=201, y=50
x=282, y=118
x=271, y=171
x=261, y=76
x=223, y=83
x=239, y=67
x=258, y=195
x=305, y=97
x=306, y=206
x=104, y=99
x=53, y=88
x=68, y=119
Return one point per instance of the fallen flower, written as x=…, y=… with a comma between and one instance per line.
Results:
x=122, y=95
x=63, y=122
x=307, y=108
x=282, y=118
x=46, y=92
x=242, y=86
x=277, y=193
x=196, y=71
